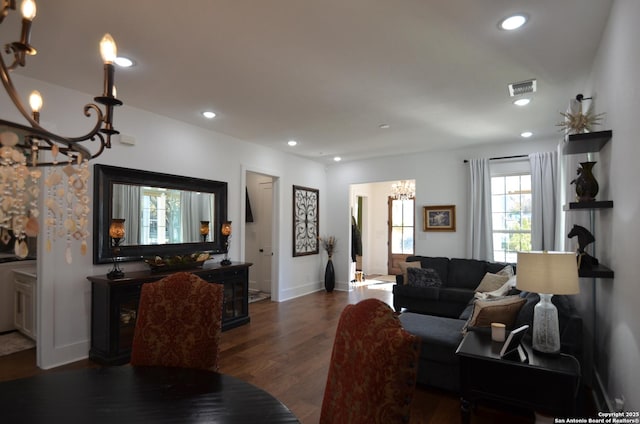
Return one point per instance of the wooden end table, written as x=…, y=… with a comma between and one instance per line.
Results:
x=548, y=384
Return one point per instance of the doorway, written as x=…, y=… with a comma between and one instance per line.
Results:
x=259, y=212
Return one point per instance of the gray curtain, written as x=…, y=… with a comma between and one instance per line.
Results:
x=196, y=207
x=480, y=244
x=544, y=200
x=126, y=205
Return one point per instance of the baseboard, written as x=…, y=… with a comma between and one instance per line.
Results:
x=600, y=397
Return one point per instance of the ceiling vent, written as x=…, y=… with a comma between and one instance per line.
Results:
x=523, y=87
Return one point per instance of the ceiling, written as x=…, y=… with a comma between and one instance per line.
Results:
x=328, y=73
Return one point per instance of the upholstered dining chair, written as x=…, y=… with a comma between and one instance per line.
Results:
x=178, y=323
x=373, y=369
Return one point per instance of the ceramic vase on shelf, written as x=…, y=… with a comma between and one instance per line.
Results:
x=329, y=276
x=586, y=184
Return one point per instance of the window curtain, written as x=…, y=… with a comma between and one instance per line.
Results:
x=195, y=207
x=544, y=200
x=126, y=205
x=480, y=244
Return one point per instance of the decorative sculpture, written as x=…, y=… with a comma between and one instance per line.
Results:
x=585, y=261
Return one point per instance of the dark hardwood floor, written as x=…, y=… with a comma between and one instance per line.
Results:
x=286, y=348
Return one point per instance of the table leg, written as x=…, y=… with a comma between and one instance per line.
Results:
x=465, y=411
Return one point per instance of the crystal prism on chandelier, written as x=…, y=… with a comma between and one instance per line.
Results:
x=403, y=190
x=25, y=148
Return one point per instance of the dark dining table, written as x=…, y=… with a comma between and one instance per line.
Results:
x=128, y=394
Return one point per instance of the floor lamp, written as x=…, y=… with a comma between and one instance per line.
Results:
x=547, y=273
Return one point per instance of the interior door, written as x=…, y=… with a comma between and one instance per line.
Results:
x=265, y=204
x=401, y=232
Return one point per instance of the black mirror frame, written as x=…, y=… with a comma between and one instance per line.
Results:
x=103, y=179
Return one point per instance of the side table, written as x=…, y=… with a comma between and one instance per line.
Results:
x=548, y=384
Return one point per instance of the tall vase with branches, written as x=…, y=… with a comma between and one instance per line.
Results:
x=329, y=245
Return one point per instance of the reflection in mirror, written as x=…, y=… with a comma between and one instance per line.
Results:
x=157, y=215
x=162, y=212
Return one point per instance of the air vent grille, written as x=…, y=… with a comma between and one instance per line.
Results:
x=523, y=87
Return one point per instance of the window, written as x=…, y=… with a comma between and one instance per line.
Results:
x=159, y=223
x=402, y=226
x=511, y=220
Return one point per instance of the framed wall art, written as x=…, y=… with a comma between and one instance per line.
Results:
x=305, y=221
x=439, y=218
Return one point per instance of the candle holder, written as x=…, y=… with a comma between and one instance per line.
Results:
x=226, y=233
x=204, y=230
x=116, y=232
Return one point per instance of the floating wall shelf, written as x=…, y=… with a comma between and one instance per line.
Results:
x=596, y=204
x=586, y=142
x=599, y=271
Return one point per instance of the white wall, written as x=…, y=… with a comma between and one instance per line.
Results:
x=169, y=146
x=614, y=84
x=441, y=179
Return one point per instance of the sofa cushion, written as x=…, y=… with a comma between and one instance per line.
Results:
x=448, y=294
x=406, y=265
x=431, y=293
x=466, y=273
x=439, y=336
x=440, y=265
x=504, y=310
x=423, y=277
x=497, y=267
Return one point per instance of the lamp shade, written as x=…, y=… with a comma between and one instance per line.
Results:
x=204, y=228
x=226, y=228
x=548, y=272
x=116, y=229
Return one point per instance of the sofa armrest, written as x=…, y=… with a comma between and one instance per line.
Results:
x=399, y=279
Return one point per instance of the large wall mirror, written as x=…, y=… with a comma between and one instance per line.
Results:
x=162, y=213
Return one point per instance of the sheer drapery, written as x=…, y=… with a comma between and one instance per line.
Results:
x=194, y=208
x=480, y=244
x=544, y=200
x=126, y=205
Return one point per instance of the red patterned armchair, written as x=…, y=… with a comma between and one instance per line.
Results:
x=179, y=323
x=372, y=375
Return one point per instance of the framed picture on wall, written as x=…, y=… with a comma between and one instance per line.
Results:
x=439, y=218
x=305, y=221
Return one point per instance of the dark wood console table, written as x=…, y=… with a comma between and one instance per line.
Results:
x=114, y=306
x=548, y=384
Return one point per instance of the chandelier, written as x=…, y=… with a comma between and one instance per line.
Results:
x=26, y=148
x=403, y=190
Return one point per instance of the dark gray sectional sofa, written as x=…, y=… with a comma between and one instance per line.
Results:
x=460, y=277
x=440, y=329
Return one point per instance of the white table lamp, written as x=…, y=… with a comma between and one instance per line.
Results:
x=547, y=273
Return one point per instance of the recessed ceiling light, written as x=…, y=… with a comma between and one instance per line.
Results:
x=526, y=134
x=124, y=62
x=208, y=114
x=337, y=158
x=292, y=143
x=513, y=22
x=522, y=102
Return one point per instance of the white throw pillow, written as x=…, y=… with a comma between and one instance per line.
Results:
x=491, y=282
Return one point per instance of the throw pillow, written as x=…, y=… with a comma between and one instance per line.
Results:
x=500, y=292
x=423, y=277
x=491, y=282
x=504, y=310
x=404, y=266
x=507, y=270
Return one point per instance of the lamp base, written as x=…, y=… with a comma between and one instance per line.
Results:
x=546, y=330
x=115, y=274
x=225, y=262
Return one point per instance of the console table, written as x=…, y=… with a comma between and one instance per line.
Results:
x=114, y=306
x=548, y=384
